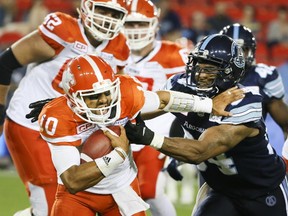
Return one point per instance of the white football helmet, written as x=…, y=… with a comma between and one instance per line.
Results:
x=86, y=76
x=141, y=11
x=103, y=27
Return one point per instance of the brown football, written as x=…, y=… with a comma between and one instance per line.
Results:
x=97, y=145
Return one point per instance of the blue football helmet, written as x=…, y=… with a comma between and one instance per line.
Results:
x=216, y=64
x=245, y=38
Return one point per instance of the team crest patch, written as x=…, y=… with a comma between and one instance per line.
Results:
x=239, y=60
x=271, y=200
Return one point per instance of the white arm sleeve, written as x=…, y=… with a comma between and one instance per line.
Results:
x=179, y=102
x=152, y=102
x=64, y=157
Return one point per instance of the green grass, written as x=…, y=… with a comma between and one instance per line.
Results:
x=13, y=196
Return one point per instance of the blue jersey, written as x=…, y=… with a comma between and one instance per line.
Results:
x=267, y=81
x=251, y=168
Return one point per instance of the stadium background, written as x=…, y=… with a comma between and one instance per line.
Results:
x=18, y=17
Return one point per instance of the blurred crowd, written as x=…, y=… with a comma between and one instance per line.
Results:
x=181, y=20
x=194, y=19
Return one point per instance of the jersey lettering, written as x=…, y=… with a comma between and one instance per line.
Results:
x=50, y=125
x=51, y=21
x=225, y=165
x=264, y=70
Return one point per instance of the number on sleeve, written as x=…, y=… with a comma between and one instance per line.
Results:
x=51, y=21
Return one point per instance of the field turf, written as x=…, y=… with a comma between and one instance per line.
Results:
x=13, y=196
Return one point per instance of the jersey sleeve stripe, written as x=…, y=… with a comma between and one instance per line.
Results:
x=52, y=36
x=244, y=114
x=275, y=88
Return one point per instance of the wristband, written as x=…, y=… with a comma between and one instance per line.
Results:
x=8, y=63
x=203, y=104
x=183, y=102
x=157, y=141
x=109, y=162
x=122, y=152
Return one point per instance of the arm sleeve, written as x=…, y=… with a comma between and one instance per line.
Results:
x=64, y=157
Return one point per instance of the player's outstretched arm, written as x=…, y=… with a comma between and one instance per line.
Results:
x=174, y=101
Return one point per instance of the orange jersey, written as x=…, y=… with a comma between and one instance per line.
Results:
x=66, y=36
x=60, y=126
x=166, y=59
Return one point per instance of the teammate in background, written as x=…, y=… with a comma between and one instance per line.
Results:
x=95, y=98
x=152, y=62
x=261, y=78
x=45, y=51
x=233, y=154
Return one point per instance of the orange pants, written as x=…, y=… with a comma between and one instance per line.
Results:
x=149, y=165
x=87, y=204
x=32, y=159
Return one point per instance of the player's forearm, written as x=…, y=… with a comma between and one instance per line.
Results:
x=3, y=93
x=79, y=178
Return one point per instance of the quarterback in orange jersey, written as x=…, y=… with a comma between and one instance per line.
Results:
x=152, y=62
x=94, y=98
x=45, y=51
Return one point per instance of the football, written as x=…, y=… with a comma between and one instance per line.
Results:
x=97, y=145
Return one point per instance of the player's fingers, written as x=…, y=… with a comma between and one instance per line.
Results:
x=225, y=113
x=123, y=131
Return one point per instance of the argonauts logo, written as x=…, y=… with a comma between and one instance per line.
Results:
x=271, y=200
x=239, y=60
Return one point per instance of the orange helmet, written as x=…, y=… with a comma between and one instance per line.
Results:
x=141, y=11
x=101, y=26
x=89, y=75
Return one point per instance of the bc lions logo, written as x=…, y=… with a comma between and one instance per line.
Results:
x=68, y=80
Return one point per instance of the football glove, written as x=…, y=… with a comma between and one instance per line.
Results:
x=36, y=109
x=138, y=133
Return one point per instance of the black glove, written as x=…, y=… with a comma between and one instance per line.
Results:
x=173, y=171
x=138, y=133
x=36, y=109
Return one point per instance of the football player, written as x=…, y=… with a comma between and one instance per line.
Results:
x=95, y=98
x=262, y=78
x=152, y=62
x=233, y=154
x=45, y=51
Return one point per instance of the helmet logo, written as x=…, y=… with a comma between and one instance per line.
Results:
x=239, y=60
x=70, y=76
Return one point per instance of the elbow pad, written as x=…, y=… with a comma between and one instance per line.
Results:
x=8, y=63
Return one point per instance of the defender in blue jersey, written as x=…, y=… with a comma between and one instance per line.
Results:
x=262, y=78
x=245, y=175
